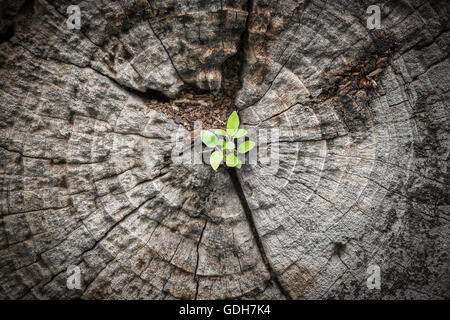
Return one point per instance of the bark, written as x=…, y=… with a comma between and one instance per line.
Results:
x=87, y=178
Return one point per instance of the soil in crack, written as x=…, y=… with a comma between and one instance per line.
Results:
x=212, y=109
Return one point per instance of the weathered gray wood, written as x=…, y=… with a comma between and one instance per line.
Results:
x=87, y=179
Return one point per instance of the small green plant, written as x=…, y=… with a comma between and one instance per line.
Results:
x=223, y=143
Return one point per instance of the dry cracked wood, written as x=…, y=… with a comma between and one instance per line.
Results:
x=87, y=178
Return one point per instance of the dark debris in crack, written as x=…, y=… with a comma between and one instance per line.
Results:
x=211, y=108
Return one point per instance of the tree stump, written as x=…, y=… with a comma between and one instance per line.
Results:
x=87, y=125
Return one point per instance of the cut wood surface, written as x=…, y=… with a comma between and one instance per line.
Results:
x=87, y=177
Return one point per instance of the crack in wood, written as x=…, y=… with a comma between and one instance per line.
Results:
x=198, y=256
x=248, y=214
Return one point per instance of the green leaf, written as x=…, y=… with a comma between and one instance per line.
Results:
x=215, y=159
x=233, y=123
x=240, y=133
x=246, y=146
x=229, y=145
x=232, y=160
x=220, y=132
x=221, y=143
x=209, y=138
x=239, y=164
x=231, y=132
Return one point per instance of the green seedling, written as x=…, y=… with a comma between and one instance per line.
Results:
x=223, y=142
